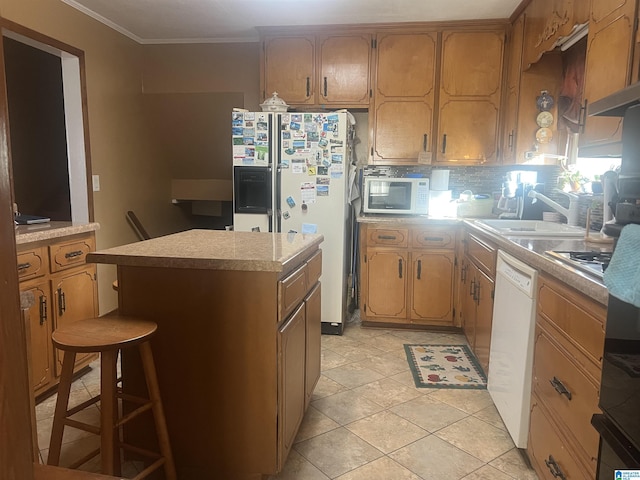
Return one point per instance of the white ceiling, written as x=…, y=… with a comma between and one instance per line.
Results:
x=193, y=21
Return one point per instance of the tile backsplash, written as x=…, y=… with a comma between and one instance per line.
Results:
x=478, y=179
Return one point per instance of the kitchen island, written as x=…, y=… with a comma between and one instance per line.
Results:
x=238, y=343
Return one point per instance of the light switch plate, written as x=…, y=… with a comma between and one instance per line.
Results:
x=95, y=179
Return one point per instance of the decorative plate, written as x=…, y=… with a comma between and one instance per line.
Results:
x=545, y=101
x=544, y=135
x=544, y=119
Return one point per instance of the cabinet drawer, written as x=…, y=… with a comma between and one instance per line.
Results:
x=433, y=237
x=70, y=254
x=483, y=253
x=549, y=452
x=578, y=321
x=396, y=237
x=291, y=291
x=314, y=268
x=32, y=263
x=553, y=374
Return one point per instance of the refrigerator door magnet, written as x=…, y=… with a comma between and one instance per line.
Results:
x=291, y=202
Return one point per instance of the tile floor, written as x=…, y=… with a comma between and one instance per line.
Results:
x=367, y=420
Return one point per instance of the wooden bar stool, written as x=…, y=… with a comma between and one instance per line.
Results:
x=107, y=335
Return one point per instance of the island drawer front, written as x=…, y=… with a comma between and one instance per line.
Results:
x=484, y=254
x=566, y=392
x=433, y=237
x=547, y=445
x=70, y=254
x=391, y=237
x=32, y=263
x=577, y=320
x=291, y=291
x=314, y=268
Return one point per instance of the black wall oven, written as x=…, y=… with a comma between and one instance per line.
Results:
x=619, y=423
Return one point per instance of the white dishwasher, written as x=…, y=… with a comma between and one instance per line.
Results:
x=511, y=353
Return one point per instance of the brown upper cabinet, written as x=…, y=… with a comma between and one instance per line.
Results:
x=548, y=21
x=470, y=96
x=610, y=43
x=437, y=94
x=512, y=91
x=402, y=119
x=324, y=71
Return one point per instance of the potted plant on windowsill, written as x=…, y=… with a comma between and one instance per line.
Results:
x=571, y=181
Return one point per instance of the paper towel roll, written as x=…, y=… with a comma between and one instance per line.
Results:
x=439, y=180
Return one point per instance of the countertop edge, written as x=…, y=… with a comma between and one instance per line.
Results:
x=47, y=231
x=561, y=271
x=202, y=263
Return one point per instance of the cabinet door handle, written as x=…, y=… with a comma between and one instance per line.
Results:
x=325, y=86
x=582, y=116
x=444, y=143
x=554, y=468
x=386, y=237
x=75, y=253
x=560, y=388
x=424, y=142
x=43, y=309
x=419, y=268
x=62, y=304
x=511, y=140
x=308, y=87
x=476, y=293
x=463, y=274
x=433, y=239
x=472, y=288
x=23, y=266
x=400, y=268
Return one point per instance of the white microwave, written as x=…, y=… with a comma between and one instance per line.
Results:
x=396, y=195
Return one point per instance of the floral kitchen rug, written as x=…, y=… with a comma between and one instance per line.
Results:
x=444, y=366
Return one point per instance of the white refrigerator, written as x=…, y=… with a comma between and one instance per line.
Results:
x=311, y=156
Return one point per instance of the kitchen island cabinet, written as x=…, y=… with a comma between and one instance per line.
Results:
x=238, y=344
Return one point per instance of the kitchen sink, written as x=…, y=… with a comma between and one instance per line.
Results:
x=531, y=228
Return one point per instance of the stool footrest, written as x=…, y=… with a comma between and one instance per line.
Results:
x=82, y=426
x=131, y=398
x=140, y=450
x=83, y=405
x=151, y=468
x=130, y=416
x=84, y=459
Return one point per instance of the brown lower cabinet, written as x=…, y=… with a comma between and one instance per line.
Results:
x=237, y=355
x=408, y=274
x=64, y=290
x=477, y=286
x=569, y=341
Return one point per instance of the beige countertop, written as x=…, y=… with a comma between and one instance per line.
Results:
x=408, y=219
x=529, y=250
x=214, y=250
x=45, y=231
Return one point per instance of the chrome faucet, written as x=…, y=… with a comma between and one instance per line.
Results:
x=572, y=213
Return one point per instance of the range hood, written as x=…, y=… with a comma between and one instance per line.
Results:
x=616, y=104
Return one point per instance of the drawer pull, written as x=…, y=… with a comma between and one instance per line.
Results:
x=75, y=253
x=43, y=309
x=554, y=468
x=400, y=268
x=24, y=266
x=560, y=388
x=419, y=268
x=386, y=237
x=62, y=304
x=433, y=239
